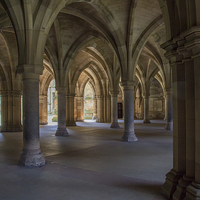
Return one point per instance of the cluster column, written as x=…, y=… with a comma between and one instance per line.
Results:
x=193, y=139
x=168, y=110
x=179, y=119
x=100, y=108
x=114, y=109
x=146, y=110
x=80, y=114
x=31, y=153
x=11, y=111
x=129, y=131
x=70, y=110
x=43, y=117
x=95, y=108
x=61, y=130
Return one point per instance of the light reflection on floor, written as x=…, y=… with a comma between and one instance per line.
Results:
x=89, y=120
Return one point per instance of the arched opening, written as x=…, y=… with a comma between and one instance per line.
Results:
x=88, y=102
x=52, y=102
x=156, y=101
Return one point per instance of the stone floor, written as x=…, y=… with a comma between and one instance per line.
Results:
x=90, y=164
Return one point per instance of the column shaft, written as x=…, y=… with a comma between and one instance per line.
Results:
x=100, y=108
x=114, y=111
x=190, y=132
x=43, y=110
x=169, y=111
x=61, y=130
x=11, y=111
x=70, y=110
x=193, y=190
x=80, y=115
x=4, y=111
x=179, y=128
x=129, y=132
x=146, y=110
x=95, y=109
x=31, y=155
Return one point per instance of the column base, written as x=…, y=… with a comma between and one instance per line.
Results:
x=171, y=183
x=99, y=120
x=61, y=132
x=146, y=121
x=129, y=137
x=14, y=128
x=79, y=119
x=31, y=158
x=71, y=123
x=180, y=192
x=115, y=125
x=94, y=117
x=169, y=126
x=193, y=191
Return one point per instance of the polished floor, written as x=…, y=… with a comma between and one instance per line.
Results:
x=90, y=164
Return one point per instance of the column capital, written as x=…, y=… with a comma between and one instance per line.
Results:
x=99, y=96
x=128, y=85
x=30, y=71
x=114, y=93
x=145, y=96
x=11, y=93
x=168, y=91
x=61, y=89
x=71, y=94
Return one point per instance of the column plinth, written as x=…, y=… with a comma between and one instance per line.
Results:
x=181, y=188
x=31, y=158
x=171, y=182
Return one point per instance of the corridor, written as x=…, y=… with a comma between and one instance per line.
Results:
x=90, y=164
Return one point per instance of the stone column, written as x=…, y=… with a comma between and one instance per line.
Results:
x=165, y=108
x=179, y=128
x=80, y=115
x=146, y=110
x=11, y=111
x=108, y=110
x=70, y=110
x=169, y=110
x=193, y=143
x=190, y=132
x=100, y=109
x=95, y=109
x=129, y=132
x=16, y=111
x=114, y=110
x=43, y=110
x=4, y=111
x=31, y=155
x=61, y=130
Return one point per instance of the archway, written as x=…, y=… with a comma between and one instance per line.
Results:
x=156, y=101
x=88, y=102
x=52, y=102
